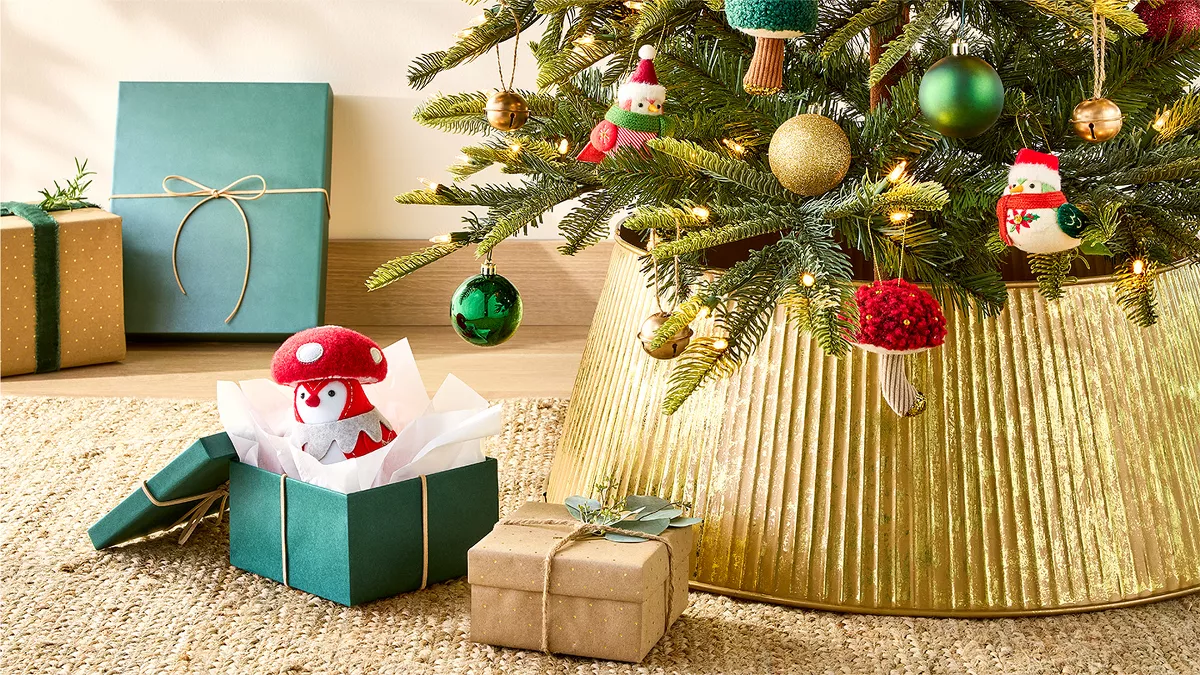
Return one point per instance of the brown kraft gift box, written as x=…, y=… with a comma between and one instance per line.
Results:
x=91, y=302
x=607, y=599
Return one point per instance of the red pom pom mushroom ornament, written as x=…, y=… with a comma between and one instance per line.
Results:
x=327, y=366
x=895, y=319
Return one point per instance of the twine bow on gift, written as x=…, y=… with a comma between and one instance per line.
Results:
x=229, y=193
x=580, y=531
x=204, y=502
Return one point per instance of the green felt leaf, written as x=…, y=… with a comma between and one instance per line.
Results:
x=649, y=504
x=664, y=513
x=685, y=522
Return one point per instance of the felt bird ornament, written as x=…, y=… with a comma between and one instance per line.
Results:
x=635, y=118
x=327, y=367
x=1034, y=215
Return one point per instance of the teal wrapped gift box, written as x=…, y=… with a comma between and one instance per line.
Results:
x=223, y=192
x=352, y=548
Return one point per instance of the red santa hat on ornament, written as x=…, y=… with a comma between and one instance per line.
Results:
x=643, y=86
x=1036, y=166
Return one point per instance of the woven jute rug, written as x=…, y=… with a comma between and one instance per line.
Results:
x=154, y=607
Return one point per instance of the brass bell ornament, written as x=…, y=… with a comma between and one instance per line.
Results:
x=1097, y=120
x=507, y=110
x=674, y=345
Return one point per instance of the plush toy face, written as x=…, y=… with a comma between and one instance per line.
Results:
x=322, y=401
x=646, y=99
x=1032, y=180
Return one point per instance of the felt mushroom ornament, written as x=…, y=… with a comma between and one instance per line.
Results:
x=771, y=22
x=896, y=318
x=327, y=367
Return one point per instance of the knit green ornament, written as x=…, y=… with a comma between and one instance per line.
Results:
x=770, y=22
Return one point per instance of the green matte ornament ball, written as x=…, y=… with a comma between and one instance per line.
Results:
x=961, y=96
x=486, y=310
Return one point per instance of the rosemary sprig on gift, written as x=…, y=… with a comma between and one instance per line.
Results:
x=71, y=195
x=640, y=513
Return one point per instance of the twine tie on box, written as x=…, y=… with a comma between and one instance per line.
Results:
x=204, y=502
x=230, y=194
x=424, y=529
x=580, y=531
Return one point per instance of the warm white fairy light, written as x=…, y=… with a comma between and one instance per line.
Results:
x=1139, y=266
x=700, y=212
x=808, y=279
x=563, y=146
x=1161, y=120
x=720, y=344
x=898, y=171
x=634, y=4
x=441, y=239
x=734, y=146
x=479, y=20
x=430, y=184
x=464, y=33
x=514, y=146
x=900, y=216
x=585, y=39
x=703, y=313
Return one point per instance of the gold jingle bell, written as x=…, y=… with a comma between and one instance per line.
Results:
x=507, y=110
x=673, y=347
x=1097, y=119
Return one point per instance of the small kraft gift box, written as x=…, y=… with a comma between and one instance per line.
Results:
x=224, y=192
x=62, y=302
x=555, y=588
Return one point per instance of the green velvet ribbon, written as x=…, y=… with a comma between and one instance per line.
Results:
x=46, y=290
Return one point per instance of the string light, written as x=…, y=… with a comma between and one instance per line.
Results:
x=441, y=239
x=898, y=171
x=633, y=4
x=1139, y=266
x=1161, y=120
x=734, y=146
x=479, y=20
x=720, y=344
x=514, y=146
x=808, y=279
x=703, y=313
x=430, y=184
x=563, y=146
x=464, y=33
x=700, y=212
x=585, y=39
x=900, y=216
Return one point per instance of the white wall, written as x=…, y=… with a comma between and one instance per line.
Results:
x=61, y=60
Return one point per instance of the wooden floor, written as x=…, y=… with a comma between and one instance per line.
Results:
x=539, y=361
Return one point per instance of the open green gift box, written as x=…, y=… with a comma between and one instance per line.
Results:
x=348, y=548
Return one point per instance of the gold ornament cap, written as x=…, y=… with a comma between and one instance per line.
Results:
x=674, y=345
x=1097, y=120
x=507, y=110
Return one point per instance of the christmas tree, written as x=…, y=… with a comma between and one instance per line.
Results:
x=763, y=114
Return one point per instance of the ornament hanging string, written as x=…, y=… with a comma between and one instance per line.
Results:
x=962, y=20
x=516, y=46
x=1099, y=42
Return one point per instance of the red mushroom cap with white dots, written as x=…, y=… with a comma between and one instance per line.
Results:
x=897, y=317
x=328, y=352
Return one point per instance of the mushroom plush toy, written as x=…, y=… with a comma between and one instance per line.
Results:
x=771, y=22
x=327, y=367
x=896, y=318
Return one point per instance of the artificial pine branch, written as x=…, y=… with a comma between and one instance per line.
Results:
x=398, y=268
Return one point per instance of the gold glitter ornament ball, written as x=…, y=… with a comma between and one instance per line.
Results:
x=810, y=154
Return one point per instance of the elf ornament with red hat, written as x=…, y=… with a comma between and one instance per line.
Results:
x=1034, y=214
x=635, y=118
x=327, y=366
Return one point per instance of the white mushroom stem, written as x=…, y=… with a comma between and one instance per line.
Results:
x=899, y=393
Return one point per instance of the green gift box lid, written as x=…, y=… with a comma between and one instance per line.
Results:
x=352, y=548
x=275, y=136
x=201, y=468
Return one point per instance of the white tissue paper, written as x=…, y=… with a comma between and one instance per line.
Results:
x=431, y=435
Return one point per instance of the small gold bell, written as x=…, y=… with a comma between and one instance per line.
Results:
x=507, y=110
x=1097, y=119
x=673, y=347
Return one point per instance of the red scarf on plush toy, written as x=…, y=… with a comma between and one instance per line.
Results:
x=1025, y=201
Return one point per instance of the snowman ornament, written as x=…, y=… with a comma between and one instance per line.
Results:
x=1034, y=214
x=327, y=368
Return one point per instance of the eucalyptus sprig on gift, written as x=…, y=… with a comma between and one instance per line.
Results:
x=640, y=513
x=71, y=195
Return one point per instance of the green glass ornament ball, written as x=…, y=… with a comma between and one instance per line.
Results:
x=486, y=310
x=961, y=96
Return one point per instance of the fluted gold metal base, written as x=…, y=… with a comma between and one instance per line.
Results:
x=1057, y=468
